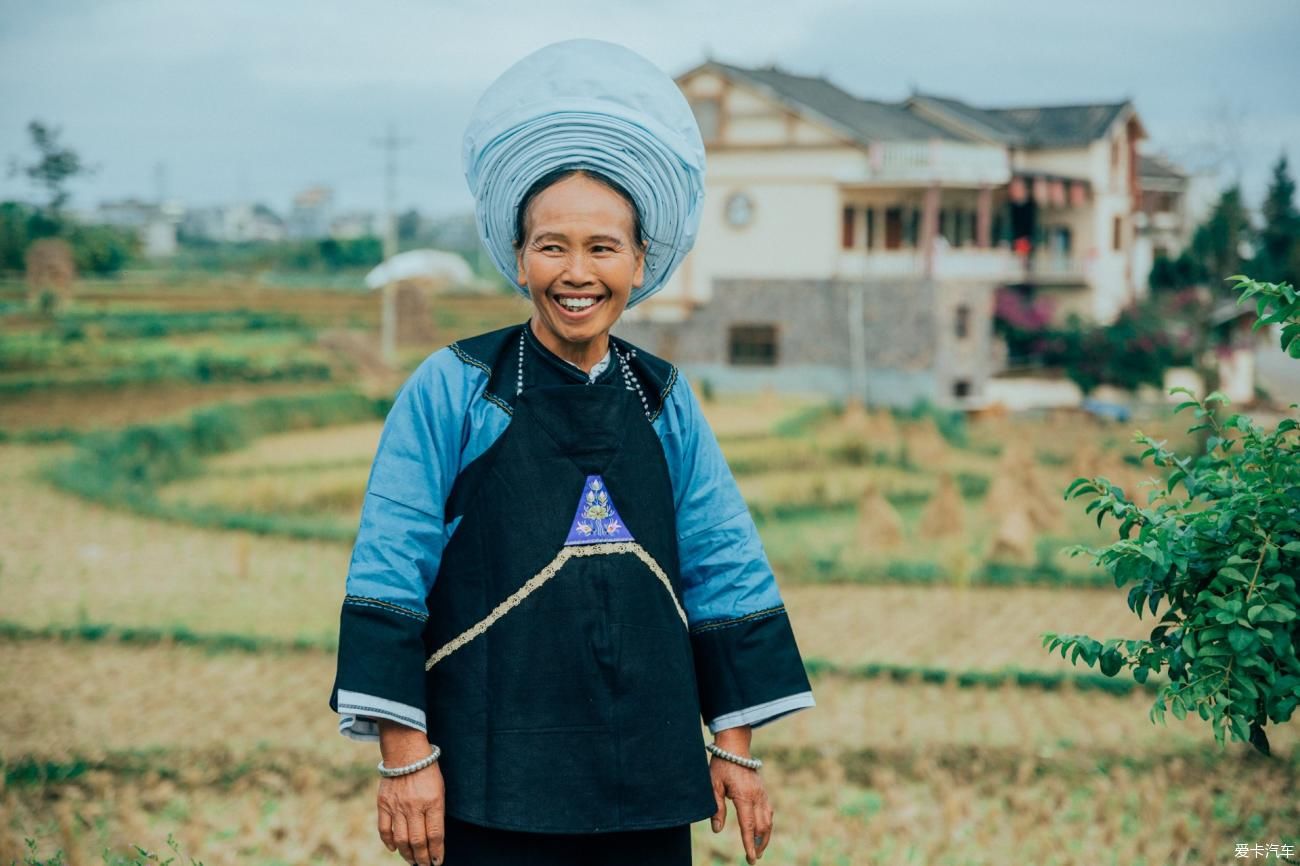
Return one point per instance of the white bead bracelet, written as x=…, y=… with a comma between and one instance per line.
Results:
x=389, y=772
x=752, y=763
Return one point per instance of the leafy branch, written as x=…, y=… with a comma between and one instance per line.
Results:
x=1218, y=543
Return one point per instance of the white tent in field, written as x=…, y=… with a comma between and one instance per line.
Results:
x=438, y=265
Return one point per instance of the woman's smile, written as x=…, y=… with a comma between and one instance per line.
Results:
x=577, y=306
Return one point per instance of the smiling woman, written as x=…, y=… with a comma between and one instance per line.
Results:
x=556, y=582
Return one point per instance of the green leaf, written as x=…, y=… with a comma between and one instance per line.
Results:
x=1281, y=613
x=1234, y=574
x=1111, y=662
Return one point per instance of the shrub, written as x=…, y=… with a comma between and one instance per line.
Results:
x=1224, y=558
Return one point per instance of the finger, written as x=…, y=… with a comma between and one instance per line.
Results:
x=764, y=830
x=720, y=816
x=419, y=839
x=745, y=818
x=402, y=836
x=386, y=829
x=436, y=831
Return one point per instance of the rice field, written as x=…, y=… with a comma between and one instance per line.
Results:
x=237, y=754
x=885, y=533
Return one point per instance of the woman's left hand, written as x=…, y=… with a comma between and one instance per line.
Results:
x=753, y=812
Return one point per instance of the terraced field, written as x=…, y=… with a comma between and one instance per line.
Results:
x=164, y=678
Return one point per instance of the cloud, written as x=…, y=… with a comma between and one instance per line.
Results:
x=247, y=99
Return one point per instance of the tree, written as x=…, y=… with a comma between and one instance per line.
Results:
x=1279, y=238
x=409, y=227
x=57, y=165
x=1218, y=244
x=1222, y=554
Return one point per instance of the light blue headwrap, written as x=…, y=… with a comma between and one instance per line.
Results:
x=586, y=103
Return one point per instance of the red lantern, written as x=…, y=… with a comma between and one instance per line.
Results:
x=1078, y=193
x=1040, y=191
x=1058, y=193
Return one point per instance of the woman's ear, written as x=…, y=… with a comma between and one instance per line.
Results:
x=639, y=276
x=521, y=277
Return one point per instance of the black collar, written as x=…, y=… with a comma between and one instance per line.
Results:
x=610, y=375
x=496, y=353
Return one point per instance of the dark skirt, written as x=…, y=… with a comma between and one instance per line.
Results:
x=473, y=845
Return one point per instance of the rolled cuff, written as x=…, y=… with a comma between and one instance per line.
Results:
x=760, y=714
x=360, y=714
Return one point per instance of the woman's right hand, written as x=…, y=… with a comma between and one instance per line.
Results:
x=411, y=806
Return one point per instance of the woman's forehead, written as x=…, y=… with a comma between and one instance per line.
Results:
x=570, y=208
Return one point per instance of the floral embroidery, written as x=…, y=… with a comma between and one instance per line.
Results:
x=597, y=519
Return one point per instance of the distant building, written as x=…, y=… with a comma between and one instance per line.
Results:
x=853, y=246
x=154, y=223
x=1174, y=202
x=237, y=223
x=356, y=224
x=310, y=215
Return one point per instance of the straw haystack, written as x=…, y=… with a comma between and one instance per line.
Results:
x=944, y=514
x=883, y=429
x=1018, y=484
x=1014, y=539
x=880, y=527
x=854, y=417
x=925, y=444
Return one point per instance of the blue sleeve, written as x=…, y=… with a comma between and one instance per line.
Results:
x=398, y=548
x=748, y=666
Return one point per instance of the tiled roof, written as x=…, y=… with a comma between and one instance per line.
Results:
x=926, y=116
x=866, y=120
x=1060, y=125
x=1156, y=166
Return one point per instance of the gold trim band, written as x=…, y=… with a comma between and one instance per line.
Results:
x=550, y=570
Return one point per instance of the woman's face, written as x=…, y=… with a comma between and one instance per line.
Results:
x=579, y=249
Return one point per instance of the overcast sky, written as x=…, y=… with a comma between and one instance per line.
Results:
x=255, y=100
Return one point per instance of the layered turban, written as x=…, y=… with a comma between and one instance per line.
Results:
x=586, y=103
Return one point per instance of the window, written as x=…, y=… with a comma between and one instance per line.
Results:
x=962, y=321
x=913, y=236
x=893, y=228
x=961, y=388
x=847, y=227
x=871, y=228
x=708, y=112
x=1117, y=240
x=752, y=345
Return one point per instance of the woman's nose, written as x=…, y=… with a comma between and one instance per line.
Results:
x=579, y=271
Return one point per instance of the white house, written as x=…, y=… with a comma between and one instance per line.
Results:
x=853, y=245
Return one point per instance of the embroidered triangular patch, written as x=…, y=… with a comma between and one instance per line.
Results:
x=597, y=518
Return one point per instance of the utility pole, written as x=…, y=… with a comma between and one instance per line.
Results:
x=388, y=333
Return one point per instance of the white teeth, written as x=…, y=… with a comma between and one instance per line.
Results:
x=576, y=304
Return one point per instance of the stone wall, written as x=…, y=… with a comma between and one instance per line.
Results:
x=909, y=328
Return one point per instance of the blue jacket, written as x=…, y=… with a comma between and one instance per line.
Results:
x=451, y=409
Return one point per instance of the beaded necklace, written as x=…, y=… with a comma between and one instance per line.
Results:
x=630, y=381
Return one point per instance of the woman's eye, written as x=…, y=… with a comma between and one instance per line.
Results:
x=551, y=248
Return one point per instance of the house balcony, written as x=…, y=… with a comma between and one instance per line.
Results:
x=946, y=162
x=998, y=265
x=1045, y=266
